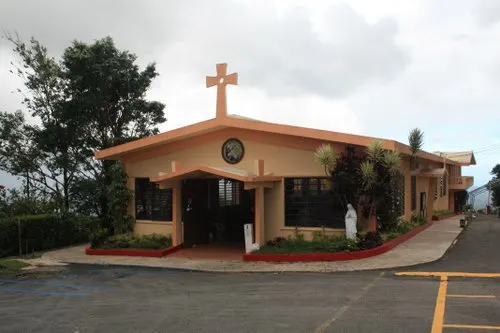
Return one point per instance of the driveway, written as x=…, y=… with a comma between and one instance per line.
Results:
x=118, y=299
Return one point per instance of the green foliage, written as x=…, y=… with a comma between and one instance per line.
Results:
x=43, y=232
x=369, y=240
x=14, y=203
x=442, y=212
x=415, y=140
x=495, y=185
x=11, y=266
x=91, y=98
x=327, y=157
x=134, y=241
x=321, y=243
x=118, y=197
x=370, y=180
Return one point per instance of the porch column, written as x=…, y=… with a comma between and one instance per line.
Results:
x=259, y=215
x=430, y=197
x=176, y=214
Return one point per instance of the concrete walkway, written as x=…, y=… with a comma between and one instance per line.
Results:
x=428, y=246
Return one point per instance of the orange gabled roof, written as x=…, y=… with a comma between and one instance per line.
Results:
x=114, y=153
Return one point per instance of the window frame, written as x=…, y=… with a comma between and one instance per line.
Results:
x=156, y=202
x=308, y=203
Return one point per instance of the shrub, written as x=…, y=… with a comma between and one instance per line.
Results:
x=442, y=212
x=418, y=220
x=320, y=243
x=133, y=241
x=43, y=232
x=369, y=240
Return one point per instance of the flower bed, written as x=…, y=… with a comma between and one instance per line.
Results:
x=133, y=245
x=356, y=252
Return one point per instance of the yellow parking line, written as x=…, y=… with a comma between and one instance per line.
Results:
x=473, y=327
x=471, y=296
x=438, y=321
x=450, y=274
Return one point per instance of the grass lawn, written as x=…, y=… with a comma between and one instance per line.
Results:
x=11, y=266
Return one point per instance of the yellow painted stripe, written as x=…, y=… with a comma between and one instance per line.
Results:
x=452, y=274
x=471, y=296
x=438, y=321
x=473, y=327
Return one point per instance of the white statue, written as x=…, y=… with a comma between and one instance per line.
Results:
x=351, y=218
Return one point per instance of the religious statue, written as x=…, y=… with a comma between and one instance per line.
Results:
x=351, y=218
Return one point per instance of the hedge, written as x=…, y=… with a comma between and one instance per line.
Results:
x=43, y=232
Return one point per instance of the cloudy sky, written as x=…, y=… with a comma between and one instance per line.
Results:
x=368, y=67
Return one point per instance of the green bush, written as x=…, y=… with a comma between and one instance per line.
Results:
x=369, y=240
x=133, y=241
x=442, y=212
x=43, y=232
x=321, y=243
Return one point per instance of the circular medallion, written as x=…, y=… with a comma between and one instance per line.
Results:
x=233, y=151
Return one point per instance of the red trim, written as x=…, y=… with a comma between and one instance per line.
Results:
x=339, y=256
x=132, y=253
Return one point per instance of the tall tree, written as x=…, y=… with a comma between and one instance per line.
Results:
x=93, y=98
x=494, y=185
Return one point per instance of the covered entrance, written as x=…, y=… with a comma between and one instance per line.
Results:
x=211, y=205
x=214, y=211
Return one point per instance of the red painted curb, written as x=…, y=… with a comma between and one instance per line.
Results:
x=132, y=253
x=338, y=256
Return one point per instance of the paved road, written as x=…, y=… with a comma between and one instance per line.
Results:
x=99, y=299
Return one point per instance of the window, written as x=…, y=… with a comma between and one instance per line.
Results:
x=229, y=192
x=309, y=203
x=413, y=192
x=441, y=186
x=152, y=203
x=435, y=191
x=444, y=186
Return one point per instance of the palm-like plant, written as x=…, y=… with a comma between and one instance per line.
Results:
x=327, y=157
x=416, y=142
x=377, y=171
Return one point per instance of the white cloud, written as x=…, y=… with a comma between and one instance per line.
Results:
x=361, y=66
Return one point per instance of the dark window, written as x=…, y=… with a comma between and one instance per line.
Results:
x=229, y=192
x=435, y=191
x=152, y=203
x=441, y=187
x=309, y=203
x=413, y=192
x=444, y=185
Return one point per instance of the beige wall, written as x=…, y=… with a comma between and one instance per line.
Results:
x=276, y=160
x=279, y=160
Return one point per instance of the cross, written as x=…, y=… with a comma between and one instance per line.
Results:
x=221, y=81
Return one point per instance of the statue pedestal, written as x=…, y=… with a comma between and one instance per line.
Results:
x=249, y=243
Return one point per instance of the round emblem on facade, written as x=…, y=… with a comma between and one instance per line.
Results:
x=233, y=151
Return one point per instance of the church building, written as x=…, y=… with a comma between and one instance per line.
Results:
x=201, y=183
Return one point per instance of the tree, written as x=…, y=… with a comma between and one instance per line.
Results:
x=363, y=178
x=118, y=195
x=494, y=186
x=93, y=98
x=378, y=172
x=415, y=142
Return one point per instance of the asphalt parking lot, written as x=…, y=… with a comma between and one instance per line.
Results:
x=118, y=299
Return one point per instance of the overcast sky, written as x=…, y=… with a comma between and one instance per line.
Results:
x=368, y=67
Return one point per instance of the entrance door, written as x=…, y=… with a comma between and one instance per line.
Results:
x=195, y=209
x=423, y=204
